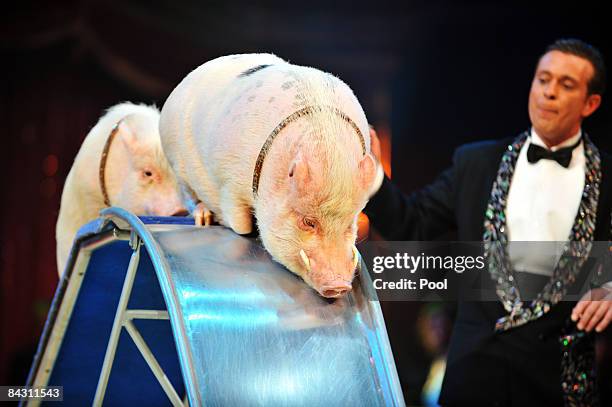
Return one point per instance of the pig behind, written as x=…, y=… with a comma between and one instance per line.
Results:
x=137, y=174
x=315, y=176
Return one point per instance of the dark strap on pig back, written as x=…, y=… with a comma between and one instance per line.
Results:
x=103, y=158
x=308, y=110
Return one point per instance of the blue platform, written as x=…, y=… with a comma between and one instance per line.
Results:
x=211, y=319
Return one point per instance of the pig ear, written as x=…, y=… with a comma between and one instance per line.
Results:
x=127, y=136
x=299, y=174
x=366, y=171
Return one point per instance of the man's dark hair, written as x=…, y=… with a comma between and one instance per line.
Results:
x=573, y=46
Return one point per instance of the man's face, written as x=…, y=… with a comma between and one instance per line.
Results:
x=559, y=100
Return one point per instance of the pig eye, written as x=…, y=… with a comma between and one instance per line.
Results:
x=148, y=173
x=308, y=223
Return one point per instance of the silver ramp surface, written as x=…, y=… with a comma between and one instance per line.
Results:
x=258, y=335
x=247, y=331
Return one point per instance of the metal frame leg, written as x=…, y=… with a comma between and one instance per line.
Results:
x=111, y=348
x=123, y=318
x=153, y=364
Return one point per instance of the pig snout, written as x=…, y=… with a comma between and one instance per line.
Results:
x=165, y=202
x=332, y=279
x=164, y=210
x=335, y=289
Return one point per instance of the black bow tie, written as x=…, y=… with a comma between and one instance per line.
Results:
x=563, y=156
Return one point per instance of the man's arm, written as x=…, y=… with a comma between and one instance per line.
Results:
x=422, y=215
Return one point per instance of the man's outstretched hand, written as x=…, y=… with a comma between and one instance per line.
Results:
x=594, y=310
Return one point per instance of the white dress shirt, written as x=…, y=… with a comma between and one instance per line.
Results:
x=543, y=201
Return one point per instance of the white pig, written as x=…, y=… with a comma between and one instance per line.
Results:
x=316, y=168
x=137, y=175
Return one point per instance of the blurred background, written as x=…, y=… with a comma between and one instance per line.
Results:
x=431, y=75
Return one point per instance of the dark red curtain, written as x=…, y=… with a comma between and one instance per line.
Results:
x=55, y=87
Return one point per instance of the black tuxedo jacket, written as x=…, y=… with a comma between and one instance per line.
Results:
x=522, y=365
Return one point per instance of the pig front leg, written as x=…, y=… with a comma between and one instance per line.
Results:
x=236, y=214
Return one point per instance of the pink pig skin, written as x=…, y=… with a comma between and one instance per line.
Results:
x=315, y=177
x=138, y=176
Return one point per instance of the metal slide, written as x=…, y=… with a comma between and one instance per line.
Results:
x=203, y=316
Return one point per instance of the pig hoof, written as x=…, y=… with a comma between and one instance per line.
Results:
x=208, y=218
x=202, y=215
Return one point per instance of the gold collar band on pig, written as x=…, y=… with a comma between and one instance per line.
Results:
x=305, y=111
x=103, y=158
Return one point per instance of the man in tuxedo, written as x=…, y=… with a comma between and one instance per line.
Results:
x=547, y=184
